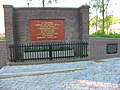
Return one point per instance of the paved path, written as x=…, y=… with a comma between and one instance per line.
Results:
x=84, y=75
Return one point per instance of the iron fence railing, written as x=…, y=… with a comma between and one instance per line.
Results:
x=47, y=51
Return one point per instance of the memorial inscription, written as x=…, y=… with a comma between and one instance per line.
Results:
x=47, y=30
x=112, y=48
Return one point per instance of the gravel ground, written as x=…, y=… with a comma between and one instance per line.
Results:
x=83, y=75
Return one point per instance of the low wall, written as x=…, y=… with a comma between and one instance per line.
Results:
x=98, y=48
x=3, y=53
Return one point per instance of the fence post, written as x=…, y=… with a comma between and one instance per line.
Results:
x=86, y=48
x=16, y=52
x=50, y=52
x=11, y=57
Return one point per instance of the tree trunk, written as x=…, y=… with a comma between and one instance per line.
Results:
x=103, y=10
x=43, y=3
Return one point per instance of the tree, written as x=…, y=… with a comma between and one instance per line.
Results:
x=108, y=21
x=43, y=2
x=103, y=13
x=107, y=3
x=99, y=6
x=94, y=24
x=49, y=2
x=95, y=5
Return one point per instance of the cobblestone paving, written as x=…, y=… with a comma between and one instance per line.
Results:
x=92, y=76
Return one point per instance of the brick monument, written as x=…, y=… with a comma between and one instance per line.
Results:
x=25, y=25
x=29, y=25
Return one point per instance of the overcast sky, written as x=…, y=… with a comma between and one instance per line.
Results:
x=38, y=3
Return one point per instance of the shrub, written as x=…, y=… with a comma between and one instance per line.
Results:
x=46, y=49
x=2, y=38
x=110, y=35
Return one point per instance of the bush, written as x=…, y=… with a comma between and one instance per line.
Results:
x=2, y=38
x=110, y=35
x=46, y=49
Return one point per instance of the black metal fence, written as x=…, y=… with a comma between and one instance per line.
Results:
x=47, y=51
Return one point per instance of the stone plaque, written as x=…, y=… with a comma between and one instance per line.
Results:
x=42, y=30
x=112, y=48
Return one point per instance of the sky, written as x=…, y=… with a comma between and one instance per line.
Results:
x=114, y=7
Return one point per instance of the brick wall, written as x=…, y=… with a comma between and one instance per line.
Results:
x=70, y=16
x=76, y=22
x=98, y=48
x=9, y=24
x=17, y=23
x=3, y=54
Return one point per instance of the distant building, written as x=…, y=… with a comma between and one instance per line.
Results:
x=114, y=28
x=2, y=35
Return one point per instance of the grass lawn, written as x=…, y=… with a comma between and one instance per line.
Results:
x=2, y=38
x=110, y=35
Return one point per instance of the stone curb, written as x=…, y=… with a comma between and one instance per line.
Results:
x=3, y=76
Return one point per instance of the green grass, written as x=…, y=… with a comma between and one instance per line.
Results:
x=2, y=38
x=46, y=49
x=110, y=35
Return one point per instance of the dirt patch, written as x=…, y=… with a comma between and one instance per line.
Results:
x=43, y=73
x=100, y=61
